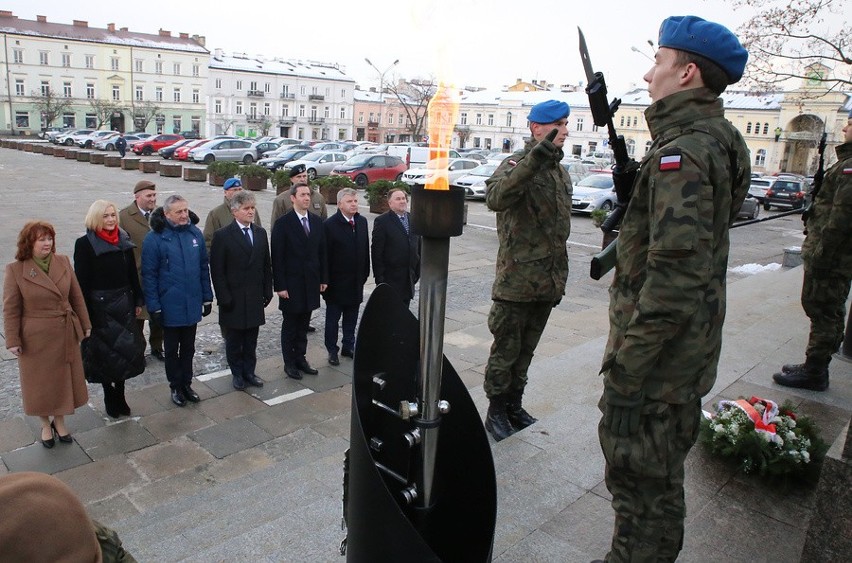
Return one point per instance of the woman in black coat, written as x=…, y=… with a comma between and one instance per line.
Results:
x=106, y=269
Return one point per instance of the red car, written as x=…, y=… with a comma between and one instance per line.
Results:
x=183, y=152
x=153, y=144
x=365, y=169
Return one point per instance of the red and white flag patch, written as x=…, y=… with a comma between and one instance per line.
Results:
x=847, y=170
x=670, y=162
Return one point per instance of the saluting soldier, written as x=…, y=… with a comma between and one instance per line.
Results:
x=667, y=301
x=531, y=193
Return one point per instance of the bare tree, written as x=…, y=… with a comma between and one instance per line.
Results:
x=225, y=124
x=104, y=109
x=50, y=105
x=797, y=39
x=414, y=96
x=264, y=126
x=463, y=132
x=143, y=113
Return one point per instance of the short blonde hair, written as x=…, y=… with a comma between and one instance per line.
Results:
x=95, y=216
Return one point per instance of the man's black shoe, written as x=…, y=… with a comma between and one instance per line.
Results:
x=347, y=354
x=312, y=328
x=159, y=355
x=292, y=372
x=306, y=367
x=238, y=383
x=803, y=380
x=254, y=380
x=333, y=359
x=190, y=395
x=177, y=398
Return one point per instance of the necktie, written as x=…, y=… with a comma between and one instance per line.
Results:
x=147, y=215
x=306, y=226
x=404, y=219
x=247, y=232
x=352, y=223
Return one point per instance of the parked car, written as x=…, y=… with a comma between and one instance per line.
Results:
x=141, y=134
x=576, y=170
x=787, y=193
x=169, y=151
x=153, y=144
x=329, y=146
x=70, y=137
x=238, y=150
x=108, y=144
x=415, y=156
x=750, y=208
x=758, y=186
x=366, y=168
x=190, y=134
x=89, y=140
x=319, y=163
x=278, y=159
x=182, y=153
x=594, y=192
x=456, y=168
x=263, y=147
x=473, y=183
x=47, y=132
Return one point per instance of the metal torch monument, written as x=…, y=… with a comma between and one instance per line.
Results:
x=419, y=481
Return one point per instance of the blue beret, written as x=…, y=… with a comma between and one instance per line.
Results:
x=297, y=169
x=232, y=183
x=710, y=40
x=548, y=112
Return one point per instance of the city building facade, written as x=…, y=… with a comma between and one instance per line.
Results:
x=380, y=118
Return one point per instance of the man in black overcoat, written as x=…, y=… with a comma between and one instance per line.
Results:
x=348, y=250
x=241, y=269
x=300, y=274
x=395, y=249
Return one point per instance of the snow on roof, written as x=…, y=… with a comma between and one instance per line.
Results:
x=260, y=64
x=82, y=32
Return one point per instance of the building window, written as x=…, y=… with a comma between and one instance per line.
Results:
x=343, y=113
x=217, y=106
x=302, y=90
x=621, y=124
x=477, y=143
x=177, y=95
x=113, y=63
x=239, y=84
x=238, y=108
x=139, y=94
x=218, y=83
x=116, y=93
x=69, y=120
x=285, y=111
x=508, y=119
x=18, y=56
x=479, y=119
x=313, y=113
x=760, y=158
x=302, y=110
x=45, y=88
x=343, y=92
x=757, y=128
x=361, y=117
x=252, y=109
x=390, y=119
x=158, y=67
x=66, y=89
x=635, y=121
x=748, y=128
x=399, y=119
x=196, y=96
x=22, y=119
x=631, y=147
x=176, y=68
x=90, y=61
x=595, y=128
x=42, y=58
x=490, y=119
x=177, y=125
x=196, y=123
x=19, y=87
x=267, y=87
x=766, y=128
x=90, y=90
x=267, y=109
x=327, y=112
x=139, y=65
x=66, y=60
x=579, y=124
x=91, y=121
x=196, y=70
x=158, y=94
x=253, y=86
x=463, y=118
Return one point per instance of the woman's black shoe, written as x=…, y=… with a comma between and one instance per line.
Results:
x=67, y=438
x=49, y=443
x=111, y=404
x=120, y=400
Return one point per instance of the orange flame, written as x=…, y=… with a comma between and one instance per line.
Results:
x=443, y=111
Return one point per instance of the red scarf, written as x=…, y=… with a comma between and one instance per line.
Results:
x=109, y=236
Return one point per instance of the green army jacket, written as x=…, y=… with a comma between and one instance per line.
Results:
x=667, y=299
x=532, y=198
x=221, y=216
x=827, y=249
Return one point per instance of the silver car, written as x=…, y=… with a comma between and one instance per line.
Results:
x=473, y=183
x=319, y=163
x=594, y=192
x=224, y=149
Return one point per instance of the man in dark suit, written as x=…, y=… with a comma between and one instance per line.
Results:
x=348, y=250
x=300, y=274
x=241, y=269
x=395, y=249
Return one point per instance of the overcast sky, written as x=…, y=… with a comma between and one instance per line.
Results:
x=486, y=43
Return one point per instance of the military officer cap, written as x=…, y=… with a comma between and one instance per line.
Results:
x=297, y=169
x=232, y=183
x=144, y=185
x=711, y=40
x=549, y=111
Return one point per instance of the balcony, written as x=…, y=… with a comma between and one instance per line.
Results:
x=254, y=118
x=288, y=120
x=316, y=120
x=316, y=97
x=288, y=96
x=255, y=93
x=372, y=124
x=462, y=127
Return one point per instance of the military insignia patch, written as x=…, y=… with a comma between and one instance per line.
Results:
x=847, y=170
x=512, y=163
x=670, y=162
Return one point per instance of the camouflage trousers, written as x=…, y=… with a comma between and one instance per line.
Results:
x=517, y=328
x=824, y=302
x=644, y=474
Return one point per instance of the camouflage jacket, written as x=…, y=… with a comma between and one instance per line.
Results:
x=827, y=249
x=667, y=300
x=532, y=198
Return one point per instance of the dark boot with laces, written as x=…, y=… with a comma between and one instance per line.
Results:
x=518, y=417
x=496, y=421
x=792, y=368
x=813, y=376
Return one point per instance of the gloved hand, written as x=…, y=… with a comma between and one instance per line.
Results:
x=545, y=149
x=156, y=317
x=622, y=412
x=208, y=308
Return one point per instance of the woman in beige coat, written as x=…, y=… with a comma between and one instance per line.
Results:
x=45, y=318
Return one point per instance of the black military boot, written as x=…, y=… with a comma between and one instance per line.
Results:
x=814, y=376
x=496, y=421
x=792, y=368
x=517, y=415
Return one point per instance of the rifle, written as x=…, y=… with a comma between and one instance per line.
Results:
x=625, y=168
x=818, y=178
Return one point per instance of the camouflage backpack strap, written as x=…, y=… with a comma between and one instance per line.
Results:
x=112, y=551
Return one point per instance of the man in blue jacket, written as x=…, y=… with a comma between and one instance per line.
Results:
x=176, y=283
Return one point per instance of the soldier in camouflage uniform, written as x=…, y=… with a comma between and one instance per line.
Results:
x=531, y=193
x=827, y=257
x=667, y=300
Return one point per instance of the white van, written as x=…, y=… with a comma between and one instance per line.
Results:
x=413, y=156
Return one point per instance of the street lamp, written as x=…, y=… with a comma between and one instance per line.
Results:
x=382, y=77
x=643, y=53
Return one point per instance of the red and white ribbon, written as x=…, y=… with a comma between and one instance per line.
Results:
x=762, y=422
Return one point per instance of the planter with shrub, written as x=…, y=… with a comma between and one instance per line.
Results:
x=219, y=171
x=330, y=185
x=377, y=194
x=254, y=177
